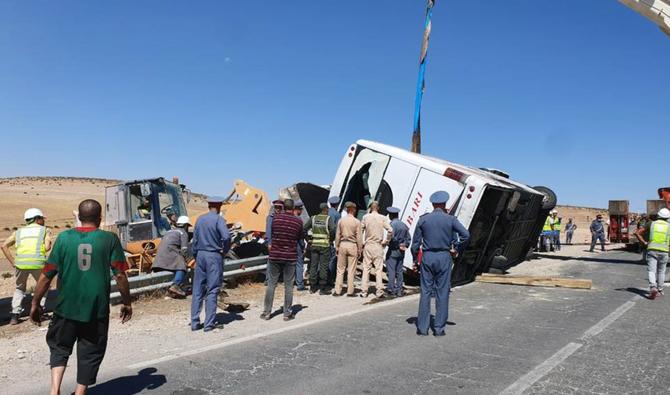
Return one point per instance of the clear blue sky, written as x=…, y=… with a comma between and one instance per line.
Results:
x=569, y=94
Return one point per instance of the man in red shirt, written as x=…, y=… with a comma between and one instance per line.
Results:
x=287, y=229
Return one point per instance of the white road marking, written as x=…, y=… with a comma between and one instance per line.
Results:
x=541, y=370
x=530, y=378
x=248, y=338
x=607, y=321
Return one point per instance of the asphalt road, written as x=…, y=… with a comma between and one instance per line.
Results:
x=505, y=338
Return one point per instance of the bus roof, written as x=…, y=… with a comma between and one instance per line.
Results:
x=440, y=165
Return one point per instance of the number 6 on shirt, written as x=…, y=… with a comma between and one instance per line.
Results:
x=84, y=256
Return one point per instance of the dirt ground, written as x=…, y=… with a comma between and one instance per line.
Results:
x=57, y=197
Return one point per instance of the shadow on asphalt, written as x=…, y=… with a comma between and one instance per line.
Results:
x=227, y=318
x=589, y=259
x=144, y=380
x=412, y=321
x=642, y=292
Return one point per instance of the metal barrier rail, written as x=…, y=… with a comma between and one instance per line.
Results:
x=144, y=283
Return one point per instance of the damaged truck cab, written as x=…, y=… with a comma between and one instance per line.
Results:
x=504, y=217
x=140, y=209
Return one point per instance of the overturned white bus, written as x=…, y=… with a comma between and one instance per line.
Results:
x=504, y=217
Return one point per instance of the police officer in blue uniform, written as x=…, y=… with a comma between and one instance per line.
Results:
x=298, y=206
x=435, y=234
x=334, y=201
x=395, y=255
x=211, y=241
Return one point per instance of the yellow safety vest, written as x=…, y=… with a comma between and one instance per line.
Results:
x=31, y=250
x=659, y=236
x=557, y=225
x=547, y=225
x=320, y=232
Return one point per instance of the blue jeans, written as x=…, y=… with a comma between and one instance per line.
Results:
x=395, y=269
x=300, y=270
x=435, y=280
x=656, y=264
x=206, y=285
x=179, y=276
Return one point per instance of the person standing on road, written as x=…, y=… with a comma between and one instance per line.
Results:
x=172, y=255
x=557, y=230
x=287, y=229
x=334, y=201
x=643, y=222
x=436, y=234
x=32, y=242
x=322, y=226
x=657, y=244
x=570, y=228
x=348, y=247
x=84, y=259
x=372, y=227
x=597, y=233
x=395, y=255
x=211, y=242
x=277, y=207
x=547, y=235
x=300, y=263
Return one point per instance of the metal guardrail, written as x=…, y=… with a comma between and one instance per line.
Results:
x=160, y=280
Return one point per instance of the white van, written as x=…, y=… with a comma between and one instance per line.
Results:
x=504, y=217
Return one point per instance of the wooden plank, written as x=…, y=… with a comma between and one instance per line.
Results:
x=535, y=281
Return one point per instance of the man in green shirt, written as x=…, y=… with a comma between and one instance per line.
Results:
x=84, y=258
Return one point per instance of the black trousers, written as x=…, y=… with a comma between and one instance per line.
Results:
x=91, y=339
x=318, y=266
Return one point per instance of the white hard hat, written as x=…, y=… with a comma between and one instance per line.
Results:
x=664, y=213
x=183, y=220
x=32, y=213
x=554, y=211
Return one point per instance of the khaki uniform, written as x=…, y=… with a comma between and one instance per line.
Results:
x=348, y=243
x=373, y=226
x=21, y=275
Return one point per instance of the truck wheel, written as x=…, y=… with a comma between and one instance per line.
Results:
x=549, y=201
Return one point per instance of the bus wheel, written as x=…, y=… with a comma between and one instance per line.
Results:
x=549, y=201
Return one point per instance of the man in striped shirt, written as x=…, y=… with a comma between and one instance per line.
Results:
x=287, y=229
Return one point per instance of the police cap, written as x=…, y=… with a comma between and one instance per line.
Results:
x=334, y=200
x=439, y=197
x=298, y=204
x=393, y=210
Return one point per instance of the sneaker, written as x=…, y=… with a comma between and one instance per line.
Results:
x=176, y=292
x=660, y=292
x=265, y=316
x=197, y=327
x=351, y=295
x=313, y=290
x=653, y=294
x=336, y=294
x=289, y=317
x=14, y=320
x=363, y=295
